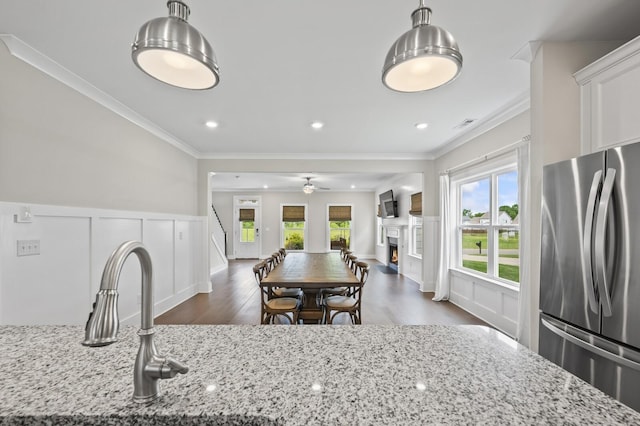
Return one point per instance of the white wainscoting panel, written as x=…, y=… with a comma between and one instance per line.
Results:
x=31, y=287
x=494, y=303
x=430, y=250
x=59, y=285
x=158, y=238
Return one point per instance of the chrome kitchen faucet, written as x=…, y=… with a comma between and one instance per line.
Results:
x=102, y=326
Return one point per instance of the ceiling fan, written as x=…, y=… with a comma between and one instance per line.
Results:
x=308, y=187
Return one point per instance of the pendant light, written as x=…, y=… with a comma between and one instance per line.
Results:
x=423, y=58
x=174, y=52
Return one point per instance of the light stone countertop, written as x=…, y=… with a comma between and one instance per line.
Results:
x=371, y=374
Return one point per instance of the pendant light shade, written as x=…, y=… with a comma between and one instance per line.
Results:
x=174, y=52
x=423, y=58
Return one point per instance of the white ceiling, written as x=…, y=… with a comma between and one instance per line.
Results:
x=356, y=182
x=285, y=64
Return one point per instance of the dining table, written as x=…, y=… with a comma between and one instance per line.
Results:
x=311, y=272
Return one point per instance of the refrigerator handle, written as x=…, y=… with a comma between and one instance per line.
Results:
x=601, y=227
x=587, y=245
x=590, y=347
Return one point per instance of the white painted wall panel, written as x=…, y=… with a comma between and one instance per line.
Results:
x=55, y=284
x=485, y=297
x=510, y=305
x=183, y=256
x=59, y=285
x=492, y=302
x=158, y=239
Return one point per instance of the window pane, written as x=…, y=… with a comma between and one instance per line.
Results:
x=293, y=235
x=339, y=234
x=508, y=198
x=292, y=225
x=418, y=239
x=474, y=249
x=475, y=199
x=248, y=232
x=416, y=235
x=509, y=254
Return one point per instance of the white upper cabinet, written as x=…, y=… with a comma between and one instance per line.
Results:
x=610, y=99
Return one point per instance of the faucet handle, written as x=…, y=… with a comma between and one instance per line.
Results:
x=176, y=366
x=164, y=368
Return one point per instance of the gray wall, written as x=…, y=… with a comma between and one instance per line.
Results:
x=59, y=147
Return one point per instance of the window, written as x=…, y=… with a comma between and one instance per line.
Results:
x=415, y=225
x=415, y=235
x=339, y=224
x=488, y=235
x=380, y=237
x=247, y=220
x=293, y=227
x=381, y=240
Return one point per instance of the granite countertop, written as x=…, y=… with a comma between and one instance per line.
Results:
x=301, y=375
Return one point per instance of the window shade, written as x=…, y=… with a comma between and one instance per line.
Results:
x=247, y=215
x=339, y=213
x=416, y=204
x=293, y=213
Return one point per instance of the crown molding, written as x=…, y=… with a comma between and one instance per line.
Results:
x=517, y=106
x=316, y=156
x=36, y=59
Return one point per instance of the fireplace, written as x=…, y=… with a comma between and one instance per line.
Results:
x=392, y=261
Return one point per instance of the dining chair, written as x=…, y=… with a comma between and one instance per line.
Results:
x=350, y=303
x=275, y=259
x=351, y=262
x=271, y=307
x=337, y=291
x=345, y=254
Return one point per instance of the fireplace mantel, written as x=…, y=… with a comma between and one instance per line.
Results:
x=394, y=231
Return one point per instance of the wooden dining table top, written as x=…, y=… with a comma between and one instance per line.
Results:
x=311, y=270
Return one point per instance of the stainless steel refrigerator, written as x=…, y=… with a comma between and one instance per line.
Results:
x=590, y=270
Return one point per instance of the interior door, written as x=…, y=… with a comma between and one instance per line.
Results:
x=247, y=232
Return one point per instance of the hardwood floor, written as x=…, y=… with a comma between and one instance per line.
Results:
x=386, y=299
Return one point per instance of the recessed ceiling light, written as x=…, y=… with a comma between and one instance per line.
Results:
x=353, y=186
x=317, y=125
x=266, y=186
x=211, y=124
x=422, y=126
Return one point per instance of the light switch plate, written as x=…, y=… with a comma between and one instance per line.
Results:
x=28, y=247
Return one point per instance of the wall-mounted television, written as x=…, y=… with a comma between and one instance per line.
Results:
x=388, y=205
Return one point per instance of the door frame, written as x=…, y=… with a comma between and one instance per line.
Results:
x=237, y=205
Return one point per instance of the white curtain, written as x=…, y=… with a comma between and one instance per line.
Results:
x=523, y=332
x=442, y=279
